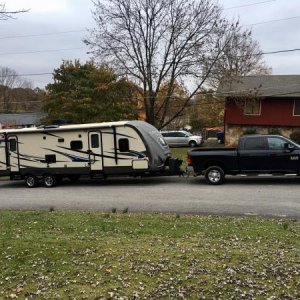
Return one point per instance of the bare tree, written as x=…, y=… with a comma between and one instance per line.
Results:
x=9, y=79
x=5, y=14
x=161, y=42
x=242, y=56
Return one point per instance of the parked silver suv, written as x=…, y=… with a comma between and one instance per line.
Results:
x=181, y=138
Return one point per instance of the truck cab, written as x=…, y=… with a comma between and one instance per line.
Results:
x=268, y=154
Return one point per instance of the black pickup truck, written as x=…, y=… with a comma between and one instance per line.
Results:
x=256, y=154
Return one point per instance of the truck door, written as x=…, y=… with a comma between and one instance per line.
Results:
x=253, y=153
x=95, y=151
x=280, y=158
x=13, y=153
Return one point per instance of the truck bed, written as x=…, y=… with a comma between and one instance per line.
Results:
x=212, y=149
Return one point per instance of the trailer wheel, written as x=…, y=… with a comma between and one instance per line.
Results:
x=50, y=181
x=214, y=175
x=31, y=181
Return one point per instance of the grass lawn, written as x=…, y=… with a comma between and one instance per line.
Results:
x=83, y=255
x=182, y=154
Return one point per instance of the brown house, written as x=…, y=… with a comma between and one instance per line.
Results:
x=261, y=104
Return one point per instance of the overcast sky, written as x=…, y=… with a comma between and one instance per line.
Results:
x=29, y=45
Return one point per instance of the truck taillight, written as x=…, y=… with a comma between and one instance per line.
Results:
x=189, y=161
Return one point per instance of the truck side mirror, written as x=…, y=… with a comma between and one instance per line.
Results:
x=288, y=147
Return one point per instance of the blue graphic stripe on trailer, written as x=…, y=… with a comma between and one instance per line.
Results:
x=94, y=154
x=69, y=149
x=30, y=158
x=111, y=157
x=74, y=158
x=130, y=153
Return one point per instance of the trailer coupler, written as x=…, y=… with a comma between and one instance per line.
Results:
x=173, y=167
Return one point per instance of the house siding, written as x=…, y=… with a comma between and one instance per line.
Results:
x=275, y=115
x=274, y=112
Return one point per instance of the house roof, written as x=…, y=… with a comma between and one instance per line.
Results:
x=277, y=86
x=21, y=119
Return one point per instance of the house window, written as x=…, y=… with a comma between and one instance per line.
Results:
x=76, y=145
x=297, y=107
x=252, y=107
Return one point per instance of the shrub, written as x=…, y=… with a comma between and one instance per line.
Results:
x=250, y=130
x=295, y=136
x=274, y=130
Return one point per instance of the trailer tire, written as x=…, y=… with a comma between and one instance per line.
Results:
x=49, y=180
x=31, y=181
x=214, y=175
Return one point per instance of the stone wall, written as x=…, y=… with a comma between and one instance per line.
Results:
x=233, y=132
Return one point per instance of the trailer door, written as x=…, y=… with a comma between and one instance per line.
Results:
x=3, y=160
x=13, y=152
x=95, y=147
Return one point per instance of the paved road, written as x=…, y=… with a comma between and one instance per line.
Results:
x=239, y=196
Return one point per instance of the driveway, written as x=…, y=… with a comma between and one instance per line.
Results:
x=267, y=196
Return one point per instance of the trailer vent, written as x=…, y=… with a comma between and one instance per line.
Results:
x=61, y=140
x=50, y=158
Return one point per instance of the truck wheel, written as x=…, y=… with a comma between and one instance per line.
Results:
x=50, y=180
x=214, y=175
x=31, y=181
x=192, y=144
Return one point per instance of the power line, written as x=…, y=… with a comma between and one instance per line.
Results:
x=40, y=34
x=29, y=74
x=280, y=51
x=250, y=4
x=271, y=21
x=41, y=51
x=80, y=48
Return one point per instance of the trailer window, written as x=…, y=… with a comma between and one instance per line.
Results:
x=76, y=145
x=95, y=141
x=13, y=145
x=123, y=145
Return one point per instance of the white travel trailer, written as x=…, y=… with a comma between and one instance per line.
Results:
x=50, y=153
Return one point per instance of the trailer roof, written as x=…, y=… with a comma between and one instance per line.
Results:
x=65, y=127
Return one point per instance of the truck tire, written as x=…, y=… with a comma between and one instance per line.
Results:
x=214, y=175
x=49, y=180
x=31, y=181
